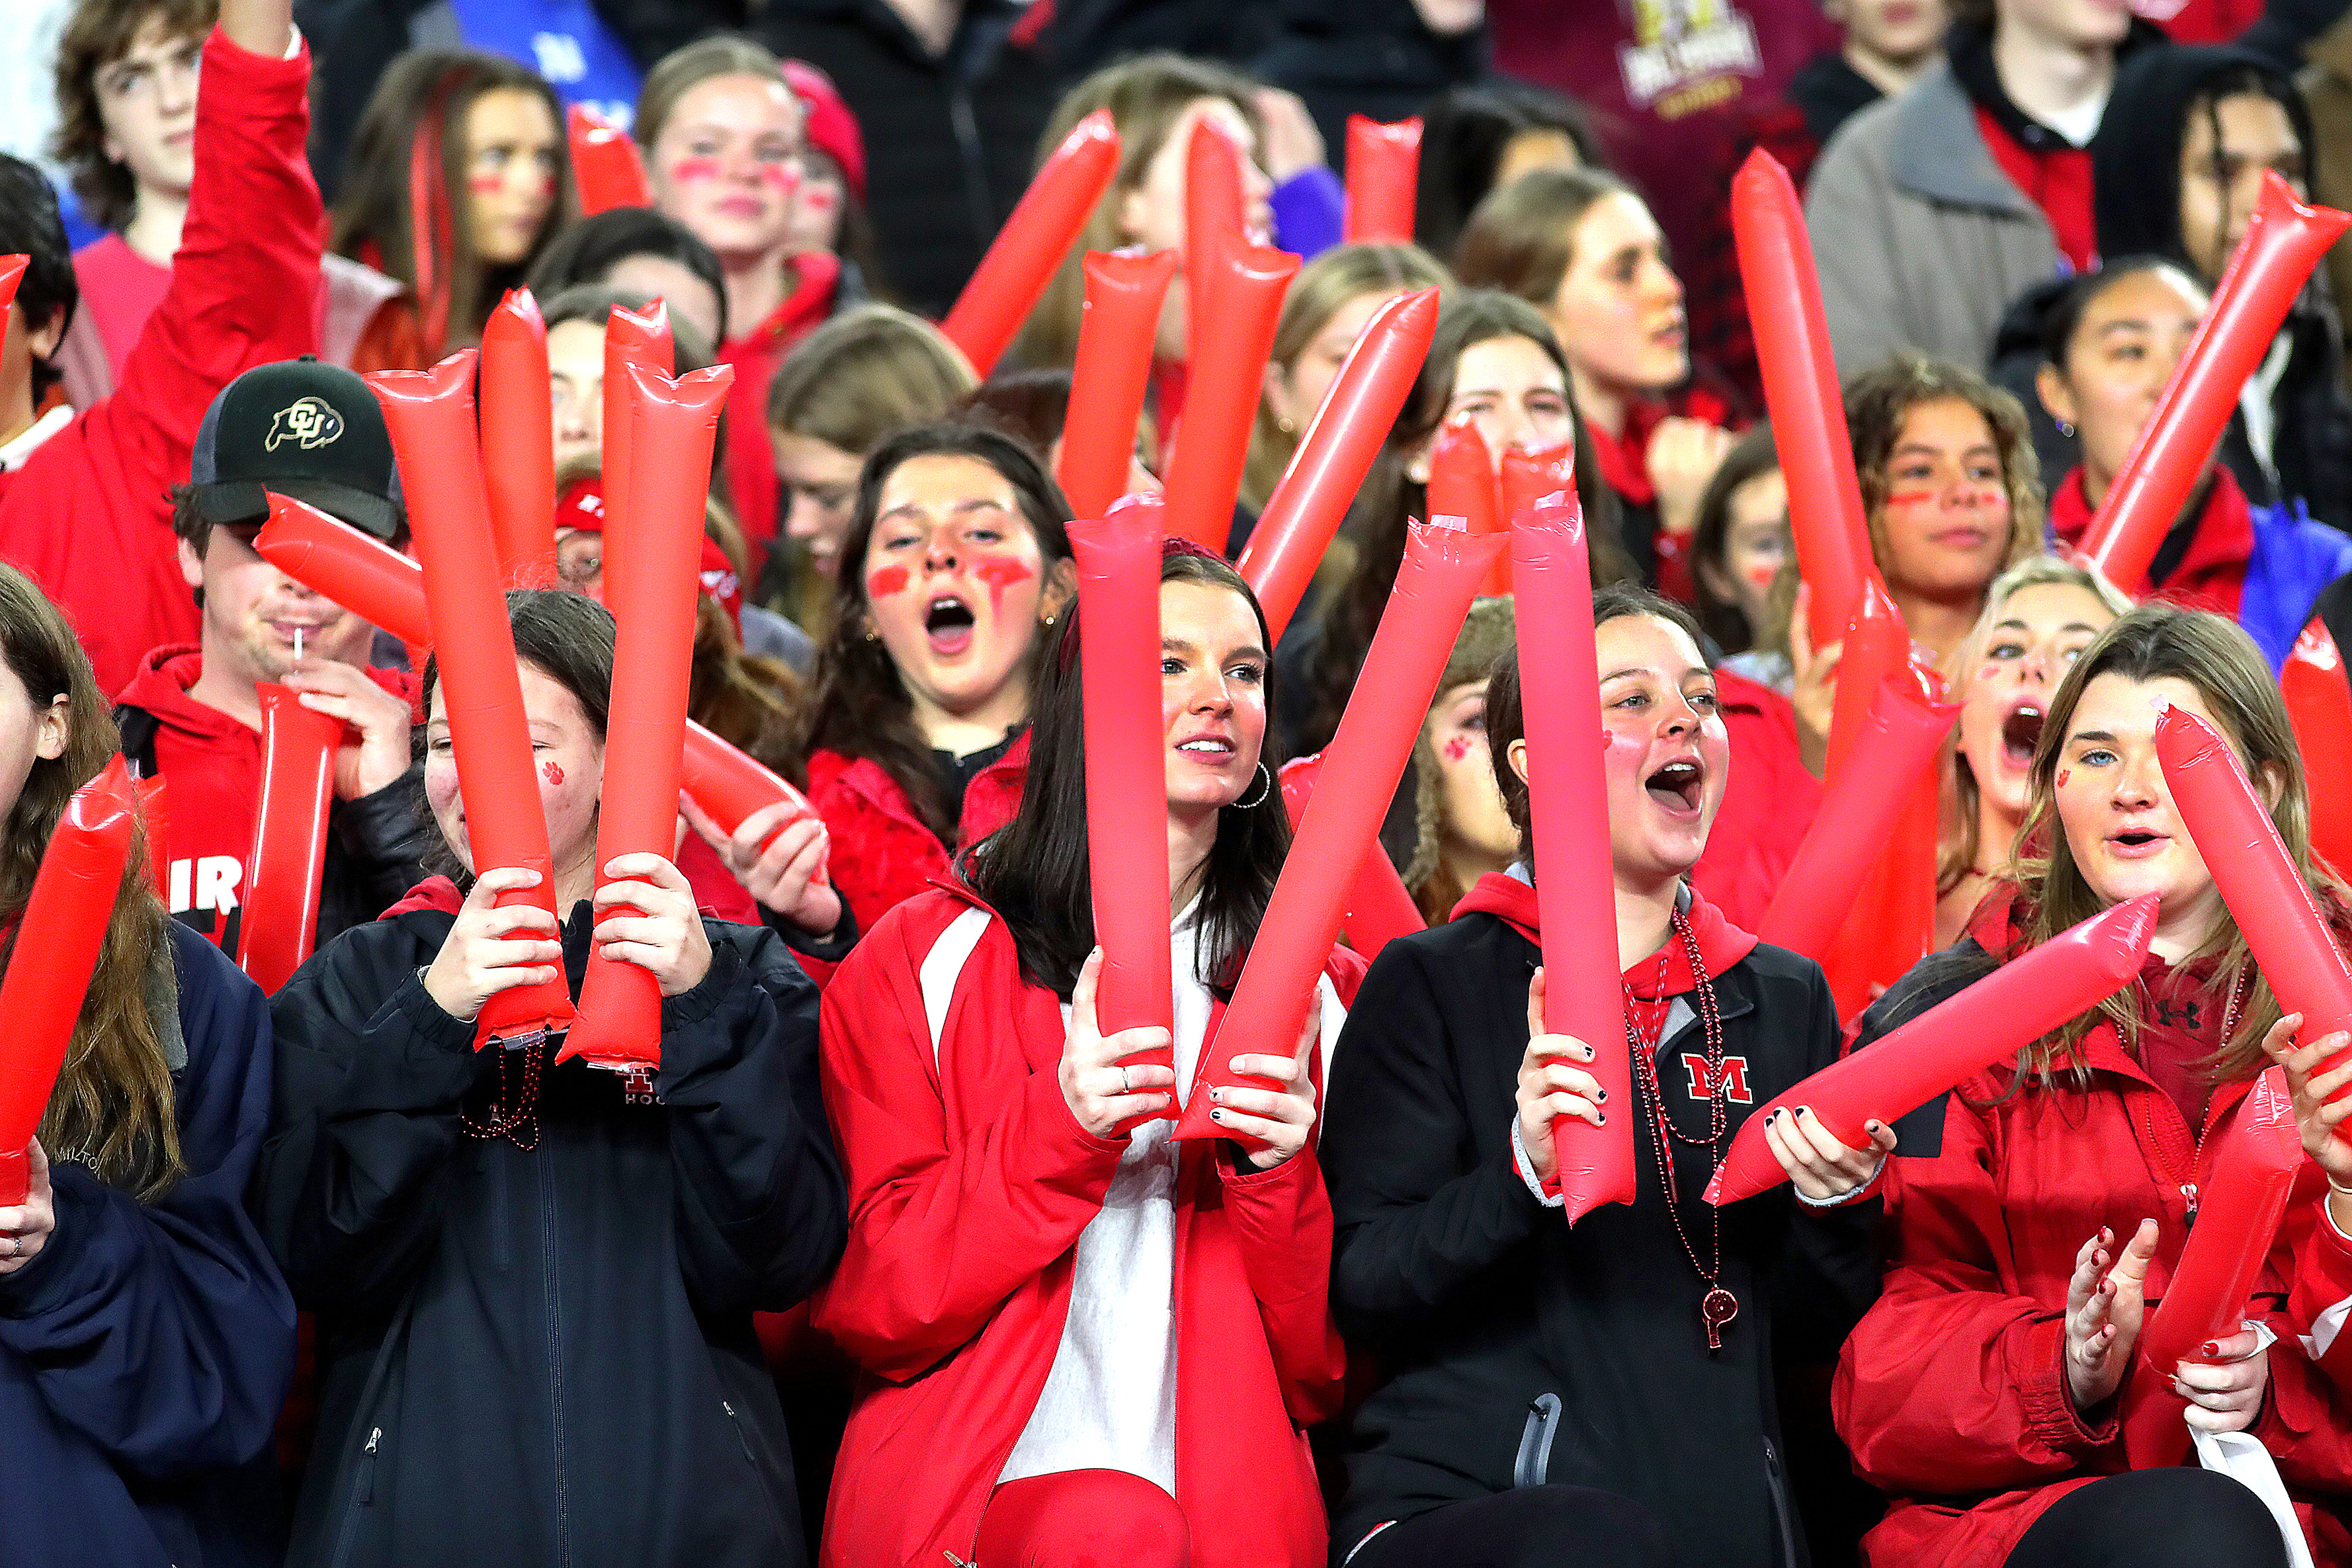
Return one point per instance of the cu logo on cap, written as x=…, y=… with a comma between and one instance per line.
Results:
x=307, y=422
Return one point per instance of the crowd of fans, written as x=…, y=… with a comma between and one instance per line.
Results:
x=891, y=1263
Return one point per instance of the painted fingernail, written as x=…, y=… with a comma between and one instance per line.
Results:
x=1873, y=1128
x=2210, y=1347
x=1603, y=1118
x=1218, y=1095
x=1802, y=1110
x=1216, y=1115
x=1600, y=1094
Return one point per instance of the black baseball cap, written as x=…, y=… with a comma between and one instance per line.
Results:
x=303, y=429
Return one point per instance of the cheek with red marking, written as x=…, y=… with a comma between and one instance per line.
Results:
x=889, y=580
x=1458, y=747
x=1762, y=573
x=485, y=184
x=551, y=773
x=778, y=177
x=819, y=198
x=2065, y=774
x=1001, y=573
x=695, y=169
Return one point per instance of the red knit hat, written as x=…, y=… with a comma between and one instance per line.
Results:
x=832, y=128
x=581, y=508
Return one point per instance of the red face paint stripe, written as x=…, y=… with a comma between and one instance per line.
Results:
x=888, y=581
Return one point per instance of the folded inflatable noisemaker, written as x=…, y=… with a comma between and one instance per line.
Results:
x=1022, y=259
x=519, y=442
x=280, y=922
x=1435, y=585
x=1384, y=178
x=1111, y=374
x=57, y=943
x=1307, y=506
x=2009, y=1008
x=2319, y=706
x=1380, y=908
x=605, y=164
x=2283, y=241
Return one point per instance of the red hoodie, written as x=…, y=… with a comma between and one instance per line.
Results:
x=757, y=355
x=88, y=515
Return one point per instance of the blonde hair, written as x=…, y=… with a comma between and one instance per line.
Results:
x=682, y=70
x=1324, y=288
x=866, y=375
x=1146, y=97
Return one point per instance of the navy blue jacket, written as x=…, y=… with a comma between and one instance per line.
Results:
x=145, y=1353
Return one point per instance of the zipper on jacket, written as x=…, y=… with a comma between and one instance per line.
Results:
x=1783, y=1511
x=766, y=1493
x=554, y=1365
x=1533, y=1466
x=362, y=1496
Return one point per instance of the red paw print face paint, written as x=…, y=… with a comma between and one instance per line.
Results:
x=1477, y=829
x=2064, y=775
x=552, y=772
x=954, y=585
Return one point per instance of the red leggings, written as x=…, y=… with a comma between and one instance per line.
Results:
x=1082, y=1518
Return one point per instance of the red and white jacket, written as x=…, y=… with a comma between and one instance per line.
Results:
x=969, y=1182
x=882, y=854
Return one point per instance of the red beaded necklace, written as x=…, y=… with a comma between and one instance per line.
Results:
x=1718, y=1307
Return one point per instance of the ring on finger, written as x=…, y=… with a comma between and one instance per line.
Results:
x=1123, y=1086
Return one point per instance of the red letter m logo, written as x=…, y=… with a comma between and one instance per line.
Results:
x=1735, y=1078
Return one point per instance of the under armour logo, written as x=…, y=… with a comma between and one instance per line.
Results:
x=307, y=422
x=1734, y=1081
x=2183, y=1015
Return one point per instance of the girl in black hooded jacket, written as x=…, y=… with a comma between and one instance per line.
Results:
x=534, y=1287
x=1549, y=1394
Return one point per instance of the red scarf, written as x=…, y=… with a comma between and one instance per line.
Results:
x=1721, y=944
x=2211, y=575
x=2058, y=181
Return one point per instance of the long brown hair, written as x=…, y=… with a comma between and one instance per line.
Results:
x=2212, y=654
x=97, y=34
x=1520, y=238
x=112, y=1109
x=420, y=104
x=1146, y=97
x=1391, y=496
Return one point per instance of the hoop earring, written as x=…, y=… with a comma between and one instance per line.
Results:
x=1265, y=788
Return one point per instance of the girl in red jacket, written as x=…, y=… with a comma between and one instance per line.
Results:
x=2041, y=1210
x=1086, y=1344
x=955, y=565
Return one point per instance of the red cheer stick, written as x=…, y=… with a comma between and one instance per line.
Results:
x=1568, y=799
x=1435, y=585
x=2016, y=1004
x=2240, y=1203
x=430, y=414
x=1463, y=483
x=156, y=824
x=605, y=163
x=1111, y=374
x=519, y=442
x=1243, y=292
x=1897, y=742
x=1348, y=429
x=12, y=272
x=63, y=929
x=730, y=784
x=290, y=838
x=2283, y=241
x=2319, y=706
x=1800, y=390
x=1876, y=646
x=1892, y=924
x=1216, y=215
x=673, y=431
x=643, y=341
x=1524, y=480
x=1380, y=908
x=1023, y=257
x=2271, y=904
x=1383, y=176
x=1126, y=772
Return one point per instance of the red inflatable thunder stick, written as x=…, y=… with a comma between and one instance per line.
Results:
x=290, y=838
x=1046, y=223
x=1800, y=390
x=430, y=414
x=1379, y=909
x=63, y=929
x=2269, y=901
x=1384, y=178
x=1463, y=483
x=336, y=559
x=2020, y=1001
x=605, y=163
x=2283, y=241
x=154, y=818
x=1126, y=772
x=1113, y=370
x=1244, y=297
x=1366, y=758
x=519, y=442
x=643, y=341
x=1335, y=454
x=675, y=430
x=2319, y=705
x=1524, y=480
x=2243, y=1196
x=12, y=272
x=1851, y=829
x=1568, y=799
x=1217, y=210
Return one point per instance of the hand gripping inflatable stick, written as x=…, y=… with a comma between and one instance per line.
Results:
x=1020, y=260
x=59, y=940
x=1306, y=508
x=674, y=430
x=2018, y=1003
x=1433, y=588
x=1113, y=370
x=430, y=414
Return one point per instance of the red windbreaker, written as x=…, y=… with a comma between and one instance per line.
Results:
x=882, y=854
x=968, y=1183
x=88, y=515
x=1951, y=1393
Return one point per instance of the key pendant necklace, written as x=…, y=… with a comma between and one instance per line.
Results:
x=1719, y=1306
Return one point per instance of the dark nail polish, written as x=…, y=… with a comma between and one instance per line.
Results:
x=1605, y=1118
x=1600, y=1094
x=1216, y=1115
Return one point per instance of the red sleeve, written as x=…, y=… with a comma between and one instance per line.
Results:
x=2319, y=1298
x=1282, y=1224
x=2305, y=1423
x=942, y=1229
x=1950, y=1383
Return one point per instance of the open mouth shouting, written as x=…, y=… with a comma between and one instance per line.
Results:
x=2137, y=842
x=1676, y=787
x=948, y=621
x=2021, y=731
